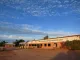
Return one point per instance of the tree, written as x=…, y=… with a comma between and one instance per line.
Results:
x=46, y=37
x=18, y=41
x=68, y=44
x=2, y=43
x=74, y=45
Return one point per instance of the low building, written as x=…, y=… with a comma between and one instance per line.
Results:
x=23, y=45
x=50, y=43
x=9, y=46
x=44, y=44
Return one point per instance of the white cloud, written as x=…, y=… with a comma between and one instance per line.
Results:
x=29, y=37
x=42, y=7
x=14, y=29
x=60, y=33
x=11, y=28
x=14, y=37
x=18, y=28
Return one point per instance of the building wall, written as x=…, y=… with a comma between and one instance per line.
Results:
x=9, y=46
x=45, y=45
x=70, y=38
x=53, y=42
x=23, y=46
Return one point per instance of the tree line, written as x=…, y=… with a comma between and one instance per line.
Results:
x=73, y=45
x=16, y=42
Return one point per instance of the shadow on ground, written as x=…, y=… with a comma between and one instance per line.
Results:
x=69, y=55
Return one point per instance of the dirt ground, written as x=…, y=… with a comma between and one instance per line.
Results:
x=40, y=54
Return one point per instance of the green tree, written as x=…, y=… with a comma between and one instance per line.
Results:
x=2, y=43
x=18, y=41
x=46, y=37
x=74, y=45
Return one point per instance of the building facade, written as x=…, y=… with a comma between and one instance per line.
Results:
x=50, y=43
x=9, y=46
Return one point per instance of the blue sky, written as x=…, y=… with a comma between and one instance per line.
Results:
x=34, y=19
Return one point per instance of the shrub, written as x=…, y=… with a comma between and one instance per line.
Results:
x=74, y=45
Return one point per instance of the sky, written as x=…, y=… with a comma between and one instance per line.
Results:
x=34, y=19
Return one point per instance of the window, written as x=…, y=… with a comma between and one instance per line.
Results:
x=34, y=44
x=29, y=44
x=49, y=44
x=41, y=44
x=45, y=44
x=55, y=44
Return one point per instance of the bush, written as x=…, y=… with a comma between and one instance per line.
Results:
x=2, y=43
x=17, y=42
x=74, y=45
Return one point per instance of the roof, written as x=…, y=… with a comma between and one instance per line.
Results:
x=22, y=42
x=10, y=43
x=71, y=35
x=53, y=38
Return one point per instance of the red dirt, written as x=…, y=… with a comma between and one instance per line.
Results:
x=40, y=54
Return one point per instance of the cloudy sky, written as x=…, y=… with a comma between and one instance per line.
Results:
x=34, y=19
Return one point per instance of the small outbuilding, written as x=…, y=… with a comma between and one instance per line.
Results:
x=9, y=46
